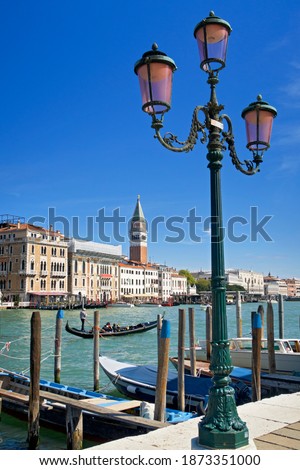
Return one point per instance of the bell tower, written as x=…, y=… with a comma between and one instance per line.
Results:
x=138, y=235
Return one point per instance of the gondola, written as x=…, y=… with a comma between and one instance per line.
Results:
x=121, y=331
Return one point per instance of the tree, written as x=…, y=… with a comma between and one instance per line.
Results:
x=235, y=287
x=203, y=285
x=190, y=279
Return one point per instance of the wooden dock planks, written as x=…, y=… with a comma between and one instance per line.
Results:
x=286, y=438
x=112, y=412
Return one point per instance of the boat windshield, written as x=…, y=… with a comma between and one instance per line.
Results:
x=292, y=346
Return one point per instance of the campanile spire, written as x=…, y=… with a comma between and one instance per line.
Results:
x=138, y=235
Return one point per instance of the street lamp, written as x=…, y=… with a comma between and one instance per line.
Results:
x=221, y=427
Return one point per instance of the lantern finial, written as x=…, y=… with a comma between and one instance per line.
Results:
x=155, y=70
x=259, y=117
x=212, y=37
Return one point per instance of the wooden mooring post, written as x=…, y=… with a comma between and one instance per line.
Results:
x=162, y=372
x=57, y=345
x=270, y=338
x=281, y=316
x=261, y=311
x=74, y=427
x=181, y=338
x=159, y=327
x=238, y=310
x=34, y=391
x=256, y=356
x=192, y=341
x=96, y=350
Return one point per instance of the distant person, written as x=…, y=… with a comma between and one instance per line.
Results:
x=83, y=316
x=107, y=327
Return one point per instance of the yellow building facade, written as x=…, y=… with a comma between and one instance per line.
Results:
x=33, y=264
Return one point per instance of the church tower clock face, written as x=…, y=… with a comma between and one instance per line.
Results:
x=139, y=226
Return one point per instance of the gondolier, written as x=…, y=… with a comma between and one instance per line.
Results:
x=83, y=316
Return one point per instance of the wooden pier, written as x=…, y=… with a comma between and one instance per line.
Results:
x=112, y=421
x=286, y=438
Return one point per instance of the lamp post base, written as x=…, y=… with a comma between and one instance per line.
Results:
x=222, y=428
x=216, y=439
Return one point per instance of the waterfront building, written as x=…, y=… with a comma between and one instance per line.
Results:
x=293, y=287
x=192, y=290
x=165, y=282
x=138, y=282
x=93, y=271
x=274, y=286
x=179, y=284
x=40, y=266
x=206, y=275
x=33, y=263
x=251, y=281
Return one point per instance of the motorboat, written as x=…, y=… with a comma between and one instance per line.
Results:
x=139, y=382
x=287, y=353
x=147, y=304
x=120, y=304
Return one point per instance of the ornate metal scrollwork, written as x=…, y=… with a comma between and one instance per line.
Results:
x=184, y=146
x=252, y=166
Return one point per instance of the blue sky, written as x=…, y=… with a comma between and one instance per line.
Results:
x=74, y=141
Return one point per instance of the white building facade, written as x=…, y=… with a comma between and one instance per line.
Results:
x=274, y=286
x=93, y=271
x=138, y=282
x=179, y=284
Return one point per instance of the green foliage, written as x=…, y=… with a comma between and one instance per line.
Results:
x=190, y=279
x=203, y=285
x=235, y=287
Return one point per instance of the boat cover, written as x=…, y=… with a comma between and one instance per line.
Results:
x=146, y=375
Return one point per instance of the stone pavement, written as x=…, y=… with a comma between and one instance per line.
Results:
x=273, y=423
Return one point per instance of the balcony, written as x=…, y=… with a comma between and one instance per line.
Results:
x=58, y=274
x=43, y=272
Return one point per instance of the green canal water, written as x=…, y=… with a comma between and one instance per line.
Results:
x=77, y=353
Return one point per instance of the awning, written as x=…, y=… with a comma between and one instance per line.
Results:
x=39, y=294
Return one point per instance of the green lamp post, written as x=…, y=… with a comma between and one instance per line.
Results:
x=221, y=428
